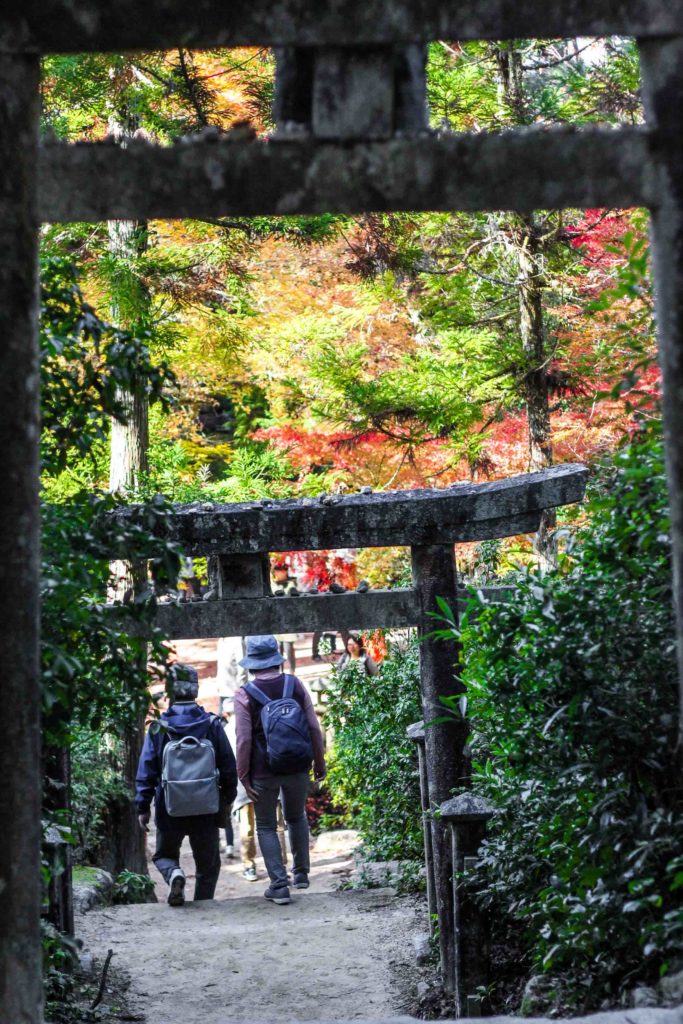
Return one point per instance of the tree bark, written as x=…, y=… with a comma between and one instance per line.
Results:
x=127, y=466
x=130, y=440
x=534, y=347
x=530, y=252
x=20, y=762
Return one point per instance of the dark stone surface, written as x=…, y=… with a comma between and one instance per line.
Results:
x=662, y=77
x=20, y=749
x=466, y=807
x=245, y=617
x=85, y=25
x=521, y=169
x=460, y=513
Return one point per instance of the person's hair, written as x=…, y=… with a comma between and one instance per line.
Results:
x=357, y=640
x=183, y=682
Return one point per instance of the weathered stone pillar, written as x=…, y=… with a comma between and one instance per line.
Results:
x=662, y=85
x=416, y=733
x=20, y=791
x=446, y=762
x=361, y=93
x=467, y=817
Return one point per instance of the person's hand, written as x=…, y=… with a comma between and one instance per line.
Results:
x=251, y=792
x=143, y=821
x=319, y=776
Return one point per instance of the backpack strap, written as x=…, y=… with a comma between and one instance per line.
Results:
x=288, y=688
x=257, y=694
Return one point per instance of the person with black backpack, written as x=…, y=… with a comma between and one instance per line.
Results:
x=186, y=765
x=278, y=737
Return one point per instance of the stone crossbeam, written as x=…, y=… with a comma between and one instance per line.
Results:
x=457, y=514
x=390, y=609
x=523, y=169
x=73, y=26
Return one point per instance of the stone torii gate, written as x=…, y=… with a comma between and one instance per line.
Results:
x=238, y=538
x=346, y=155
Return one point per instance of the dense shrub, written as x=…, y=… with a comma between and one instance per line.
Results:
x=573, y=700
x=373, y=768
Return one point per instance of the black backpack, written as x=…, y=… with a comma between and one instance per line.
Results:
x=288, y=736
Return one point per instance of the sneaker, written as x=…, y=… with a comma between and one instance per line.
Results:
x=277, y=895
x=229, y=852
x=301, y=880
x=176, y=887
x=250, y=874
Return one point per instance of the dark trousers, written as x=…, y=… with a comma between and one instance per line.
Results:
x=205, y=850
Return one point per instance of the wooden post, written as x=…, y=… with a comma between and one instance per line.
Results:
x=446, y=763
x=20, y=792
x=662, y=82
x=416, y=733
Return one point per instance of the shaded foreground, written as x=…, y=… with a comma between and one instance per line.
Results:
x=325, y=956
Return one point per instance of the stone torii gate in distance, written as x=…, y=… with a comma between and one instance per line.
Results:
x=238, y=538
x=351, y=80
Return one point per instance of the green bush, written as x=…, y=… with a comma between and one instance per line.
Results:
x=130, y=887
x=96, y=783
x=573, y=700
x=373, y=768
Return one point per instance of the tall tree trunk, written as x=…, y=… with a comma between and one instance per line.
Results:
x=129, y=304
x=533, y=337
x=530, y=285
x=127, y=465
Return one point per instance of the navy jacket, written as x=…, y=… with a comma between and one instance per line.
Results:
x=183, y=719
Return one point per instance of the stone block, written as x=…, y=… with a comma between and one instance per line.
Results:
x=671, y=989
x=422, y=947
x=353, y=94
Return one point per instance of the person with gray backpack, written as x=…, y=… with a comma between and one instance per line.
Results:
x=278, y=738
x=186, y=765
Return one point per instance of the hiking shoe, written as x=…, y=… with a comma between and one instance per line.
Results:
x=301, y=880
x=230, y=853
x=277, y=895
x=250, y=874
x=176, y=887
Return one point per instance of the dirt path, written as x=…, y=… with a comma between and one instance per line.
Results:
x=327, y=956
x=331, y=861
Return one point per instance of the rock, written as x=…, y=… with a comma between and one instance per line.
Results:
x=422, y=990
x=95, y=890
x=643, y=995
x=86, y=963
x=671, y=989
x=422, y=947
x=537, y=996
x=366, y=489
x=363, y=587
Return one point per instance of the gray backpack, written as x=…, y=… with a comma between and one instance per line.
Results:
x=189, y=777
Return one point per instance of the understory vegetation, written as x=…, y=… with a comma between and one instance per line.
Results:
x=572, y=700
x=573, y=703
x=372, y=769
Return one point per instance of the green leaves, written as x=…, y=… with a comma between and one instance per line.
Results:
x=373, y=767
x=86, y=365
x=573, y=703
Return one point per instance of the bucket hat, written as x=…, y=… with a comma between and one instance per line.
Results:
x=184, y=681
x=262, y=652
